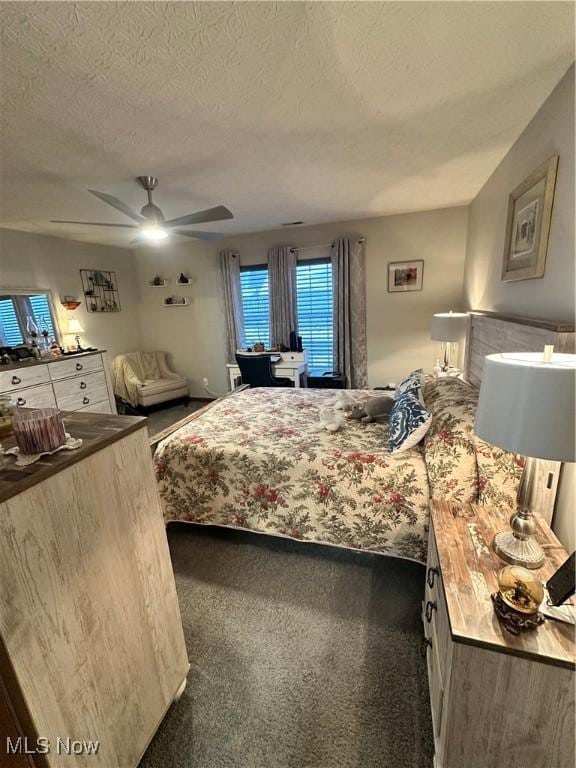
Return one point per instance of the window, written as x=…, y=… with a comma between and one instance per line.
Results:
x=314, y=293
x=16, y=309
x=256, y=304
x=315, y=325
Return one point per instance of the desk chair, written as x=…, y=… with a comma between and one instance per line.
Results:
x=256, y=370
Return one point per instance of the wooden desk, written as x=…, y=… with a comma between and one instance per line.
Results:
x=292, y=365
x=496, y=699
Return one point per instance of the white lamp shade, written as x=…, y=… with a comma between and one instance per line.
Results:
x=527, y=406
x=448, y=326
x=74, y=326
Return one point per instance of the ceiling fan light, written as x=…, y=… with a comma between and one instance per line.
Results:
x=154, y=234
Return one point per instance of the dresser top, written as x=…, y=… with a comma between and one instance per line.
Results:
x=32, y=361
x=97, y=431
x=464, y=534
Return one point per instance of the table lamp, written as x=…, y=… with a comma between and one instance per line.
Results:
x=75, y=329
x=526, y=406
x=449, y=328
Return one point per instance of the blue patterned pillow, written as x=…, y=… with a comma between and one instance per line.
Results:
x=409, y=422
x=412, y=383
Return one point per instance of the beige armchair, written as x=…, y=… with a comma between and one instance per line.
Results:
x=145, y=379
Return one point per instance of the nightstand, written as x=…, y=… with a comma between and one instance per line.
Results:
x=497, y=700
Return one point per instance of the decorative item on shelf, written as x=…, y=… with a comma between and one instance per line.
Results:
x=44, y=329
x=32, y=336
x=518, y=599
x=258, y=347
x=449, y=328
x=528, y=224
x=75, y=329
x=100, y=290
x=176, y=301
x=157, y=282
x=70, y=303
x=405, y=276
x=38, y=431
x=183, y=279
x=526, y=406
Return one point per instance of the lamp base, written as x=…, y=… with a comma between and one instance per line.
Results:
x=525, y=552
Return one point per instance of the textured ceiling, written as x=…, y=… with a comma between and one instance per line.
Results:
x=281, y=111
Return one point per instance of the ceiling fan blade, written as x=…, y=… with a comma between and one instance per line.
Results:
x=199, y=235
x=210, y=214
x=94, y=223
x=118, y=204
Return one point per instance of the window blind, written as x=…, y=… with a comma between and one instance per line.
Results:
x=315, y=325
x=256, y=304
x=10, y=334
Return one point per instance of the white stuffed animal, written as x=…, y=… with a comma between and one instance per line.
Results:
x=330, y=421
x=344, y=401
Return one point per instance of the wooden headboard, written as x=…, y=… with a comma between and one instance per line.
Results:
x=492, y=332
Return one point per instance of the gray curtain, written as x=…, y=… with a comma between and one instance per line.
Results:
x=282, y=289
x=349, y=286
x=234, y=316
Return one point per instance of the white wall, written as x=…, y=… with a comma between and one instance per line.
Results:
x=550, y=132
x=36, y=261
x=398, y=325
x=552, y=297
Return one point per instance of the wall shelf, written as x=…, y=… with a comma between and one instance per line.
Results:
x=185, y=303
x=151, y=284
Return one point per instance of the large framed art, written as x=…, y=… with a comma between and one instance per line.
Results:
x=528, y=224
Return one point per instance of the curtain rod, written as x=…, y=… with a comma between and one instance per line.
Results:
x=360, y=241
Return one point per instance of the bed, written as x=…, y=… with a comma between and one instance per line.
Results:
x=256, y=460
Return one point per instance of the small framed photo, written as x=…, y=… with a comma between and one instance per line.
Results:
x=528, y=224
x=405, y=276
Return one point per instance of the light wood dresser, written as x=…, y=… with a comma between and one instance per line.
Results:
x=91, y=639
x=72, y=383
x=498, y=701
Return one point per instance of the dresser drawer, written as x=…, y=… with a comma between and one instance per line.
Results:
x=80, y=391
x=35, y=397
x=75, y=367
x=436, y=685
x=436, y=621
x=23, y=377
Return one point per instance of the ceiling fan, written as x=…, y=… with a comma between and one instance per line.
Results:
x=150, y=222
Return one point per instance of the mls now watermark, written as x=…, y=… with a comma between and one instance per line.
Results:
x=45, y=746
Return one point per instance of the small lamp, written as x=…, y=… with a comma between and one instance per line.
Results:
x=75, y=329
x=449, y=328
x=526, y=405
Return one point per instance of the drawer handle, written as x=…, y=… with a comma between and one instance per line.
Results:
x=426, y=643
x=79, y=366
x=432, y=573
x=20, y=401
x=85, y=400
x=83, y=385
x=430, y=607
x=16, y=380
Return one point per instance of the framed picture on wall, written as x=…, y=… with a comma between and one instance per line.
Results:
x=528, y=224
x=405, y=276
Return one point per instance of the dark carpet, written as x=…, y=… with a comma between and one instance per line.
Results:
x=303, y=656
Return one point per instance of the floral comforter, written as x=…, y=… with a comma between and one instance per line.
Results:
x=257, y=460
